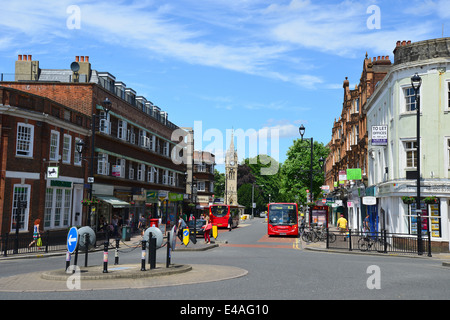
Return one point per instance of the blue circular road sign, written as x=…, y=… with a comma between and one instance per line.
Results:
x=72, y=239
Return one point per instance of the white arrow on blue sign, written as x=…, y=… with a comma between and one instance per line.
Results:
x=72, y=239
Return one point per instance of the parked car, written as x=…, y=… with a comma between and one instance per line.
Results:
x=199, y=226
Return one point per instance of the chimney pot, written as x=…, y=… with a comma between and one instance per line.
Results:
x=20, y=57
x=403, y=43
x=387, y=57
x=82, y=58
x=398, y=43
x=87, y=58
x=77, y=58
x=409, y=41
x=29, y=57
x=374, y=58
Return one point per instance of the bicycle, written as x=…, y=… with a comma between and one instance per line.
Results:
x=308, y=235
x=322, y=234
x=366, y=242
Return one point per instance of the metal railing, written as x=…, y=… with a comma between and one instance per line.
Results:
x=11, y=244
x=382, y=242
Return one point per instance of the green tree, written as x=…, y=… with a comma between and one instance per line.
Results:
x=266, y=171
x=295, y=172
x=219, y=184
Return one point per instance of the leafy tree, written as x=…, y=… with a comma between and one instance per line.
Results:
x=219, y=184
x=295, y=172
x=266, y=171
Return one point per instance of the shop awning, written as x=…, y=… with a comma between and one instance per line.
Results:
x=115, y=202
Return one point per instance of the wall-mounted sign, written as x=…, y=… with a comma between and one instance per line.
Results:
x=379, y=135
x=52, y=172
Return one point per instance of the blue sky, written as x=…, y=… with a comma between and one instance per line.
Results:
x=251, y=65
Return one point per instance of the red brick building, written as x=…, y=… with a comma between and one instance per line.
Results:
x=349, y=137
x=28, y=127
x=133, y=141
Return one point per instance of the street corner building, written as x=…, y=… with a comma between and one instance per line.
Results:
x=80, y=148
x=379, y=136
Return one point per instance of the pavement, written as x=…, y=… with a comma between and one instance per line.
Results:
x=126, y=276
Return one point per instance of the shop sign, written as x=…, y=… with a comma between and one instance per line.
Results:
x=151, y=196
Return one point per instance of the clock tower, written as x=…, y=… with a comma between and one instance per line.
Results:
x=231, y=167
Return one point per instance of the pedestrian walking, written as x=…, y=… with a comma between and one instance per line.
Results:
x=302, y=223
x=36, y=234
x=141, y=224
x=180, y=226
x=342, y=225
x=230, y=223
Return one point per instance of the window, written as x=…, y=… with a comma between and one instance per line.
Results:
x=143, y=139
x=131, y=136
x=410, y=99
x=67, y=146
x=25, y=137
x=57, y=207
x=448, y=153
x=411, y=154
x=21, y=194
x=166, y=177
x=103, y=164
x=201, y=186
x=141, y=172
x=77, y=158
x=131, y=171
x=166, y=149
x=171, y=178
x=122, y=130
x=151, y=174
x=104, y=122
x=54, y=145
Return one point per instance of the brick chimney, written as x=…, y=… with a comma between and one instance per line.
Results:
x=26, y=69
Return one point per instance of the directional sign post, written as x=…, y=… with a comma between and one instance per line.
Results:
x=185, y=237
x=72, y=239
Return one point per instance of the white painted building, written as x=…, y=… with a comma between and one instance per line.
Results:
x=392, y=163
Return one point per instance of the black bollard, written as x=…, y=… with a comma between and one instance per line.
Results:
x=143, y=255
x=116, y=256
x=105, y=257
x=168, y=251
x=86, y=242
x=152, y=252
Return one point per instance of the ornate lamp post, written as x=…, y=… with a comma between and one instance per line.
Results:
x=106, y=104
x=416, y=82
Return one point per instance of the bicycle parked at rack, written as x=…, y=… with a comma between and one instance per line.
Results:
x=308, y=235
x=322, y=234
x=368, y=241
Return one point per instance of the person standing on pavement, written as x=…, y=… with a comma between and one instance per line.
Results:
x=208, y=227
x=230, y=222
x=366, y=225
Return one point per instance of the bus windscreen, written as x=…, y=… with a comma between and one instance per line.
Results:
x=219, y=211
x=282, y=214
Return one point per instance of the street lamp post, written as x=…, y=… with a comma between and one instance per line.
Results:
x=106, y=104
x=302, y=132
x=416, y=82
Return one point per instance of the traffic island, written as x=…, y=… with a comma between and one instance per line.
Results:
x=130, y=271
x=120, y=277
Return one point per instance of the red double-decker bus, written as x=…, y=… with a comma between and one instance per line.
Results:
x=220, y=213
x=282, y=219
